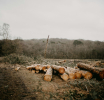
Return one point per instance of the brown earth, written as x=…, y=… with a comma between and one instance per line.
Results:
x=25, y=85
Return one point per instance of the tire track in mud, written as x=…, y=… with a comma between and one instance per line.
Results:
x=12, y=87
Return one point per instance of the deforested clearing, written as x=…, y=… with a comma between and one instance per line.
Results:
x=26, y=83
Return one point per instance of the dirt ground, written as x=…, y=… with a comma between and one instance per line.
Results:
x=25, y=85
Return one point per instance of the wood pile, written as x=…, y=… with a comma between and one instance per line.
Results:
x=82, y=70
x=94, y=70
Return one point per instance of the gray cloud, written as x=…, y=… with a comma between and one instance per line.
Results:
x=72, y=19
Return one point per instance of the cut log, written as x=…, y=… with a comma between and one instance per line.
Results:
x=34, y=67
x=64, y=76
x=37, y=71
x=38, y=67
x=45, y=70
x=71, y=72
x=48, y=66
x=62, y=61
x=30, y=67
x=72, y=75
x=78, y=75
x=60, y=69
x=45, y=67
x=86, y=74
x=95, y=70
x=102, y=63
x=33, y=71
x=17, y=68
x=48, y=75
x=96, y=63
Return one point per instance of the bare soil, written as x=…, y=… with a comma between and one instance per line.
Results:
x=25, y=85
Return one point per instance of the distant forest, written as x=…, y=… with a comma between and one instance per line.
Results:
x=57, y=48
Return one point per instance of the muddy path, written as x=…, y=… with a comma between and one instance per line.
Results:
x=12, y=86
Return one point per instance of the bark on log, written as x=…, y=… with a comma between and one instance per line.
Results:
x=48, y=75
x=30, y=67
x=34, y=67
x=95, y=70
x=96, y=63
x=64, y=76
x=60, y=69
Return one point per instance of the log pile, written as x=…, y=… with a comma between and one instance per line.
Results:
x=95, y=70
x=80, y=71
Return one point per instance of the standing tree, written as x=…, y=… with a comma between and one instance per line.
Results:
x=4, y=31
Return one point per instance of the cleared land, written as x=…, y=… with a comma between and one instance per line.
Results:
x=25, y=85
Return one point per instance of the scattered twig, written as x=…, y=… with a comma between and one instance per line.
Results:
x=86, y=88
x=89, y=82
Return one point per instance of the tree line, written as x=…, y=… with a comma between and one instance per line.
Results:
x=57, y=48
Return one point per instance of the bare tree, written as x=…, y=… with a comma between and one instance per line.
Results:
x=4, y=31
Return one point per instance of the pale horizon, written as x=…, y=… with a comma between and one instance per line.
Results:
x=68, y=19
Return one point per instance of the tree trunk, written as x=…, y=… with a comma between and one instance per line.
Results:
x=95, y=70
x=48, y=75
x=60, y=69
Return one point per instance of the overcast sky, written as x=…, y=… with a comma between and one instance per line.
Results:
x=71, y=19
